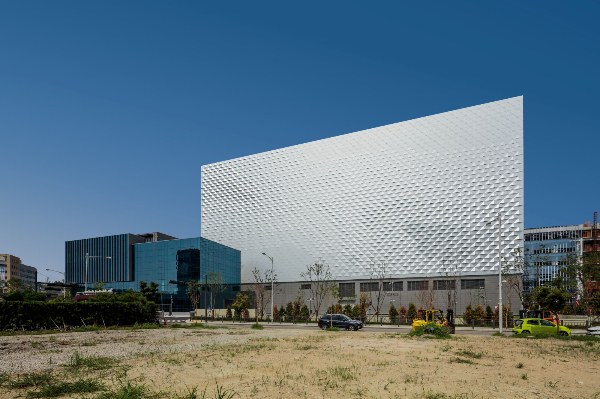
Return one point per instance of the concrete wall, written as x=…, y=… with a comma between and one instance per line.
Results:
x=288, y=292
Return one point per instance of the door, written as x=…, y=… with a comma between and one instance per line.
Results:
x=548, y=327
x=533, y=326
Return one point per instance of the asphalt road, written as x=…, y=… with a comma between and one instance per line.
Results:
x=372, y=328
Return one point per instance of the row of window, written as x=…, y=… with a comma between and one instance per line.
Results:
x=553, y=235
x=348, y=289
x=554, y=250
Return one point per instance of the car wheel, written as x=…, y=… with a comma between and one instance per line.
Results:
x=322, y=326
x=563, y=333
x=525, y=332
x=352, y=327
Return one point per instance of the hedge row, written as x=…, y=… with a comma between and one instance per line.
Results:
x=36, y=315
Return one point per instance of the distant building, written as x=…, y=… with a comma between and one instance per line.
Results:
x=546, y=250
x=28, y=275
x=11, y=268
x=154, y=257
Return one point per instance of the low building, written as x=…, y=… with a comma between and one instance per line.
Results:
x=122, y=261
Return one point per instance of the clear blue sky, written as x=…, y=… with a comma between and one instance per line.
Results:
x=108, y=109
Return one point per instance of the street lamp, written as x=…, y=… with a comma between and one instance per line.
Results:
x=310, y=300
x=64, y=278
x=87, y=257
x=272, y=283
x=500, y=310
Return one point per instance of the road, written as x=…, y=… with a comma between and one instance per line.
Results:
x=369, y=328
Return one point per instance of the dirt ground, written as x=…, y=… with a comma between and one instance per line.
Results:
x=318, y=364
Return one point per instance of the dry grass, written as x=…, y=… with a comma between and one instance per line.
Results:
x=325, y=364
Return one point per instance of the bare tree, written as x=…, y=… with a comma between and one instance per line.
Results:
x=216, y=285
x=259, y=286
x=449, y=271
x=321, y=283
x=426, y=294
x=377, y=275
x=194, y=294
x=513, y=271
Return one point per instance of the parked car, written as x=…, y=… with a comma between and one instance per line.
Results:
x=593, y=331
x=340, y=321
x=536, y=326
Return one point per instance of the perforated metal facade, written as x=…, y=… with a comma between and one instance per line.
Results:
x=407, y=194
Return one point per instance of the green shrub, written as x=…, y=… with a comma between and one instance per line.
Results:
x=257, y=326
x=412, y=311
x=431, y=329
x=49, y=315
x=332, y=329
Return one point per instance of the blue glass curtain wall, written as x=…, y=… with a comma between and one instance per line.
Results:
x=179, y=260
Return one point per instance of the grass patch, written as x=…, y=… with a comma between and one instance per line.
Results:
x=197, y=325
x=257, y=326
x=332, y=329
x=128, y=390
x=91, y=362
x=87, y=328
x=498, y=334
x=524, y=376
x=520, y=365
x=53, y=390
x=29, y=380
x=144, y=326
x=431, y=330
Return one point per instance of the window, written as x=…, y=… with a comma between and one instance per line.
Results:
x=305, y=286
x=475, y=284
x=533, y=323
x=417, y=285
x=268, y=287
x=347, y=289
x=547, y=323
x=392, y=286
x=369, y=287
x=443, y=285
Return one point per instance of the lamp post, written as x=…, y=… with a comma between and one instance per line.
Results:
x=272, y=283
x=500, y=310
x=310, y=300
x=87, y=257
x=64, y=277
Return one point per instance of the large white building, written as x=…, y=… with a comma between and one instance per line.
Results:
x=411, y=195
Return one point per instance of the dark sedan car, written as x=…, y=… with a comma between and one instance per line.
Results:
x=340, y=321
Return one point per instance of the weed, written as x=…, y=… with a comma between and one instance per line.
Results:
x=551, y=384
x=87, y=328
x=88, y=343
x=30, y=380
x=470, y=354
x=36, y=344
x=459, y=360
x=257, y=326
x=225, y=393
x=498, y=334
x=520, y=365
x=385, y=388
x=53, y=390
x=524, y=376
x=190, y=394
x=430, y=330
x=91, y=362
x=304, y=348
x=332, y=329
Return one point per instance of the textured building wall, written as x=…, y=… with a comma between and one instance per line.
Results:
x=408, y=194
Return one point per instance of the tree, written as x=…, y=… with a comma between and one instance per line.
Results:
x=15, y=285
x=427, y=296
x=479, y=313
x=304, y=312
x=282, y=313
x=150, y=291
x=289, y=309
x=260, y=285
x=363, y=304
x=581, y=274
x=412, y=311
x=275, y=312
x=513, y=272
x=402, y=312
x=392, y=313
x=216, y=284
x=377, y=275
x=348, y=310
x=553, y=299
x=99, y=285
x=321, y=283
x=193, y=293
x=468, y=313
x=228, y=312
x=489, y=314
x=242, y=303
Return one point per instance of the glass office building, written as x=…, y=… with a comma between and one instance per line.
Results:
x=545, y=251
x=169, y=262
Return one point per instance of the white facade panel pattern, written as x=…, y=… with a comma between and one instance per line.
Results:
x=410, y=194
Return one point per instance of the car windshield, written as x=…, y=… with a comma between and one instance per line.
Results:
x=518, y=323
